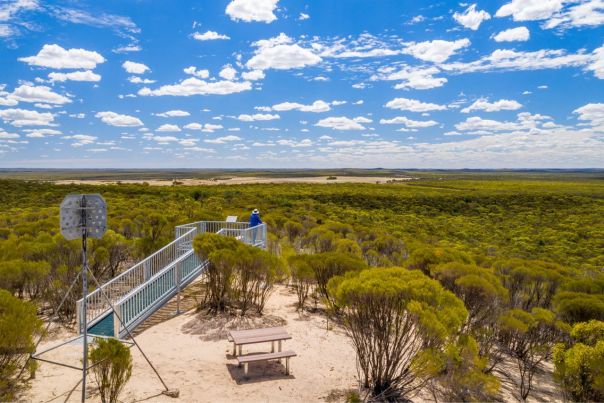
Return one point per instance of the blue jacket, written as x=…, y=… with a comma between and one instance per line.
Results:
x=255, y=220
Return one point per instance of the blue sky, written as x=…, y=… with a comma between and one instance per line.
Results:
x=302, y=84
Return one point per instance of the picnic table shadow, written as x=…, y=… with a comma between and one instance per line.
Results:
x=258, y=371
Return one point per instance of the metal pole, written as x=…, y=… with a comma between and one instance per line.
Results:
x=84, y=302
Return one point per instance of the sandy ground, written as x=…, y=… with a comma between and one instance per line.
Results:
x=191, y=358
x=192, y=355
x=241, y=180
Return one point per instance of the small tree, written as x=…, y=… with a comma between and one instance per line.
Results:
x=579, y=368
x=111, y=363
x=392, y=315
x=528, y=337
x=484, y=297
x=331, y=264
x=255, y=273
x=303, y=277
x=219, y=273
x=458, y=372
x=19, y=325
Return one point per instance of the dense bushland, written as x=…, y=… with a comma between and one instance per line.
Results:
x=523, y=258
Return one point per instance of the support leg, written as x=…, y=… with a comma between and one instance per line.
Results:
x=240, y=349
x=287, y=366
x=272, y=346
x=279, y=345
x=245, y=365
x=234, y=349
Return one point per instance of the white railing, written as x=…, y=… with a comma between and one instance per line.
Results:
x=176, y=257
x=138, y=274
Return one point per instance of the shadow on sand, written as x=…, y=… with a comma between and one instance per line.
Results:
x=258, y=371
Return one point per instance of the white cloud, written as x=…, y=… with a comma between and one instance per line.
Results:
x=412, y=124
x=193, y=126
x=526, y=122
x=279, y=53
x=294, y=143
x=529, y=10
x=222, y=140
x=85, y=75
x=210, y=128
x=413, y=105
x=192, y=70
x=173, y=113
x=506, y=59
x=116, y=119
x=127, y=49
x=41, y=133
x=252, y=10
x=81, y=139
x=228, y=73
x=209, y=36
x=417, y=78
x=317, y=106
x=23, y=117
x=54, y=56
x=168, y=128
x=28, y=93
x=194, y=86
x=471, y=18
x=436, y=51
x=165, y=139
x=303, y=16
x=343, y=123
x=597, y=63
x=258, y=116
x=593, y=113
x=588, y=13
x=513, y=34
x=501, y=105
x=7, y=136
x=135, y=68
x=253, y=75
x=138, y=80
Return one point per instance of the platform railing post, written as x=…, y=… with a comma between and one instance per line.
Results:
x=117, y=313
x=177, y=273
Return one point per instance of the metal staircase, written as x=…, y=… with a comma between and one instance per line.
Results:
x=145, y=287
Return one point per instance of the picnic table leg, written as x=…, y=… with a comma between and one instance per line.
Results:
x=279, y=345
x=234, y=349
x=240, y=349
x=245, y=368
x=287, y=366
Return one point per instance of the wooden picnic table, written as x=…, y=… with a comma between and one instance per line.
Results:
x=239, y=338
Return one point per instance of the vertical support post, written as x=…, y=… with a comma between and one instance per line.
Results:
x=177, y=275
x=117, y=314
x=84, y=302
x=79, y=315
x=146, y=270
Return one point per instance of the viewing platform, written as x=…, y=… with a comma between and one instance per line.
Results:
x=138, y=292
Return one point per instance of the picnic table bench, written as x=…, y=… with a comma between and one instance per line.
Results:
x=239, y=338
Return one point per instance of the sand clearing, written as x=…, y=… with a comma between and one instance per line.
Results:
x=190, y=358
x=240, y=180
x=193, y=355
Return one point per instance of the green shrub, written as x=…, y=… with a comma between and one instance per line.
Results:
x=19, y=325
x=303, y=277
x=580, y=368
x=392, y=315
x=111, y=364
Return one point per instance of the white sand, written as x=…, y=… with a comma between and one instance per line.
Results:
x=240, y=180
x=193, y=358
x=204, y=371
